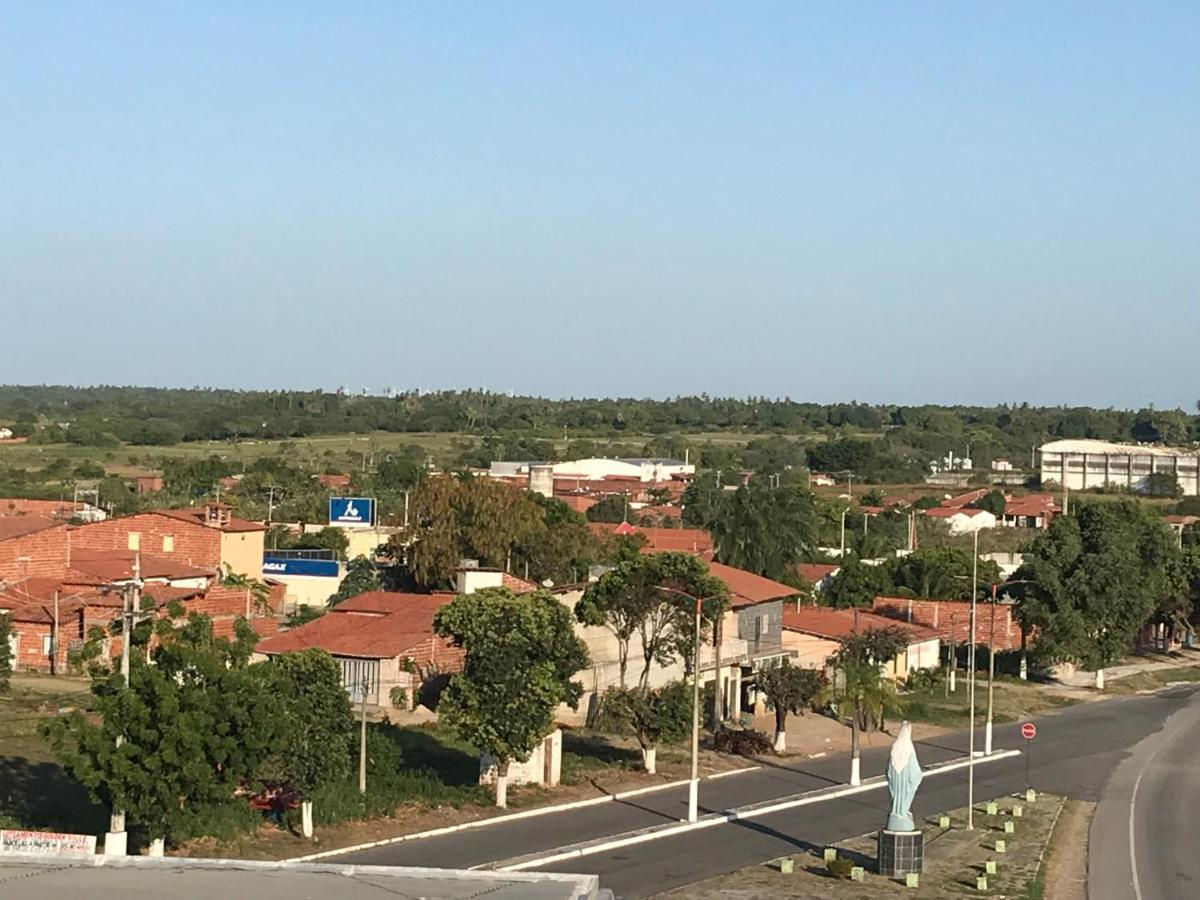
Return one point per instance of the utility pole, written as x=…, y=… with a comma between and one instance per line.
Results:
x=54, y=639
x=116, y=841
x=987, y=728
x=270, y=504
x=362, y=744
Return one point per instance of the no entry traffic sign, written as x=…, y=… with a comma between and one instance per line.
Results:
x=1028, y=731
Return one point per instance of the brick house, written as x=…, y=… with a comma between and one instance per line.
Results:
x=380, y=639
x=951, y=619
x=209, y=536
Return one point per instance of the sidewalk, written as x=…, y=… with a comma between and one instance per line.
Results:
x=1179, y=659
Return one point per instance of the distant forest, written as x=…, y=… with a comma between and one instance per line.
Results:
x=879, y=442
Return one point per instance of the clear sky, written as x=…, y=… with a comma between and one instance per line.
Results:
x=890, y=202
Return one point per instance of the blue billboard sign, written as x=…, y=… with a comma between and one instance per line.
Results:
x=351, y=511
x=278, y=565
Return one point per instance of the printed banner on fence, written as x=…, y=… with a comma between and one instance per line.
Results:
x=47, y=843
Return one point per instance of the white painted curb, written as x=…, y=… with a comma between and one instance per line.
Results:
x=746, y=812
x=512, y=817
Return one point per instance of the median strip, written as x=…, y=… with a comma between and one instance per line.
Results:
x=768, y=807
x=512, y=817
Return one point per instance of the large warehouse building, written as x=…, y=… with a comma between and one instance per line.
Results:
x=1082, y=464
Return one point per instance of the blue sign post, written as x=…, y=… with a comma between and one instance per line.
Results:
x=351, y=511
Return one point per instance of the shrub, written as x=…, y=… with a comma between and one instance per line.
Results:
x=925, y=679
x=745, y=743
x=839, y=867
x=399, y=697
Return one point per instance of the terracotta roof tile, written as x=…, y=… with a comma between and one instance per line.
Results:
x=827, y=622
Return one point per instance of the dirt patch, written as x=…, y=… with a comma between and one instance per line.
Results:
x=1066, y=868
x=954, y=858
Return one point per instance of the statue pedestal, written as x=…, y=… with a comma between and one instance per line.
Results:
x=900, y=852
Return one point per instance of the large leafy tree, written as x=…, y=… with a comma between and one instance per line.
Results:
x=765, y=529
x=654, y=716
x=860, y=690
x=317, y=725
x=612, y=509
x=944, y=573
x=642, y=598
x=560, y=548
x=857, y=584
x=521, y=656
x=1095, y=578
x=193, y=726
x=788, y=689
x=456, y=518
x=361, y=576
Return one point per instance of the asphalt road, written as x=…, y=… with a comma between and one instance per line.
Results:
x=1142, y=843
x=1075, y=753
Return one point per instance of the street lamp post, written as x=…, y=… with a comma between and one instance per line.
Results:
x=694, y=782
x=971, y=688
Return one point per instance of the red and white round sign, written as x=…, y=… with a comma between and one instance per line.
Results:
x=1028, y=731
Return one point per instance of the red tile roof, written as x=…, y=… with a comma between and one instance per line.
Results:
x=964, y=499
x=827, y=622
x=197, y=517
x=746, y=588
x=375, y=626
x=815, y=573
x=1181, y=520
x=17, y=526
x=50, y=509
x=1033, y=505
x=687, y=540
x=946, y=512
x=117, y=565
x=334, y=481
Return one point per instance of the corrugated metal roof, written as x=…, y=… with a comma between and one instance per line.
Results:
x=1101, y=447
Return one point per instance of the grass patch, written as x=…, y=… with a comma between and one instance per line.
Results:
x=1013, y=700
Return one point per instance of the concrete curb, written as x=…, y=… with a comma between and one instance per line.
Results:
x=511, y=817
x=602, y=845
x=586, y=884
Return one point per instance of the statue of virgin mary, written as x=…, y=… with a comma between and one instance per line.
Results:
x=903, y=778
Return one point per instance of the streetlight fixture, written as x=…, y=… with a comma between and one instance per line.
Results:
x=694, y=782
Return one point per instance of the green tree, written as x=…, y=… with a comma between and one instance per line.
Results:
x=993, y=501
x=328, y=538
x=193, y=726
x=944, y=573
x=560, y=548
x=317, y=727
x=521, y=657
x=361, y=576
x=702, y=500
x=764, y=529
x=609, y=509
x=630, y=601
x=1162, y=484
x=788, y=689
x=860, y=691
x=857, y=584
x=1095, y=578
x=6, y=660
x=453, y=519
x=654, y=716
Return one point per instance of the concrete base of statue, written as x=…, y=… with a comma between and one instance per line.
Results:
x=900, y=853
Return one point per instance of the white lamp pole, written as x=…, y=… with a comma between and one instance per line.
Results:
x=971, y=688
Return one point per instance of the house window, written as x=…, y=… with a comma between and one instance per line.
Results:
x=135, y=541
x=168, y=543
x=45, y=645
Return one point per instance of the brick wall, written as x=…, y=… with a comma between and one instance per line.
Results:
x=951, y=619
x=46, y=551
x=191, y=543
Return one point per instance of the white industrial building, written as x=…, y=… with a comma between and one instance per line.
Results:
x=649, y=469
x=1081, y=464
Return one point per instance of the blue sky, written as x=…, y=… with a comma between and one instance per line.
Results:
x=944, y=202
